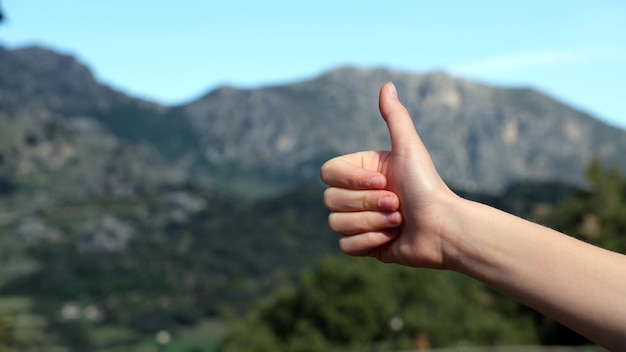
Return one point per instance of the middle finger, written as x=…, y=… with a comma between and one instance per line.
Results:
x=344, y=200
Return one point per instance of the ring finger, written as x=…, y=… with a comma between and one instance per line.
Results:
x=343, y=199
x=363, y=221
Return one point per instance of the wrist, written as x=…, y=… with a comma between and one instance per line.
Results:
x=452, y=233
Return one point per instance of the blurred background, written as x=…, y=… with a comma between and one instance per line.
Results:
x=159, y=166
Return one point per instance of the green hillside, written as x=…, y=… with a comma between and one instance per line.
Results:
x=122, y=220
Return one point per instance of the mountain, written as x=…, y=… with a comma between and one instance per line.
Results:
x=264, y=140
x=481, y=138
x=37, y=80
x=120, y=217
x=58, y=125
x=37, y=77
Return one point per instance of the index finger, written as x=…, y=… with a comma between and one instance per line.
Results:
x=341, y=172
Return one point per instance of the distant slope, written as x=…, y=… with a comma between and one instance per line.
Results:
x=121, y=205
x=265, y=140
x=481, y=138
x=38, y=79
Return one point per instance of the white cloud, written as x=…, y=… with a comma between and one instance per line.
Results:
x=537, y=59
x=516, y=62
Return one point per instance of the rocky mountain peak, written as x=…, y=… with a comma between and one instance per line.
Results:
x=481, y=137
x=38, y=77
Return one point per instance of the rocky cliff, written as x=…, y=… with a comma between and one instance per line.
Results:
x=481, y=138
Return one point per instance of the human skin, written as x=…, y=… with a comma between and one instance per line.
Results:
x=394, y=206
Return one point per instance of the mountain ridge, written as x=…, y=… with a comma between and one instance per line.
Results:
x=481, y=138
x=144, y=213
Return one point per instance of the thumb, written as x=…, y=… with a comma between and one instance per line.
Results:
x=404, y=138
x=406, y=144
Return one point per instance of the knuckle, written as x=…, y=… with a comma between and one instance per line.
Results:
x=328, y=198
x=325, y=170
x=348, y=246
x=332, y=221
x=367, y=240
x=370, y=222
x=366, y=202
x=358, y=245
x=344, y=246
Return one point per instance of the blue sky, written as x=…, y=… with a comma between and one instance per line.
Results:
x=175, y=51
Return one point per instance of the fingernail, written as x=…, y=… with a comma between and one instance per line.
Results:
x=376, y=182
x=392, y=90
x=387, y=203
x=393, y=219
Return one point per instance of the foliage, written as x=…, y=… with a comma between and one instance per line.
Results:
x=341, y=305
x=109, y=246
x=524, y=198
x=115, y=222
x=596, y=215
x=347, y=304
x=188, y=255
x=23, y=330
x=195, y=254
x=166, y=131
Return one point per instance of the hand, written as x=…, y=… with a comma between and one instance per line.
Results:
x=390, y=205
x=395, y=207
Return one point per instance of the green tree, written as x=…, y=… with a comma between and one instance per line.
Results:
x=347, y=304
x=596, y=215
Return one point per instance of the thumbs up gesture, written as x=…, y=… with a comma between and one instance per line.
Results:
x=391, y=205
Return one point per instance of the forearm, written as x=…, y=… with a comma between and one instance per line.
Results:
x=577, y=284
x=581, y=286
